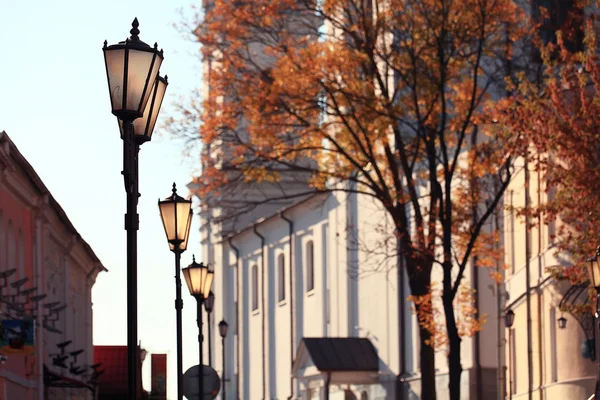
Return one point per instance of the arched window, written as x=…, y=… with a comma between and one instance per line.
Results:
x=254, y=279
x=281, y=277
x=12, y=248
x=21, y=255
x=310, y=266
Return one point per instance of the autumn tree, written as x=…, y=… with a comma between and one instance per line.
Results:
x=391, y=99
x=558, y=112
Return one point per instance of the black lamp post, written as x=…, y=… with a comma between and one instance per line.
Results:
x=132, y=72
x=223, y=327
x=199, y=280
x=209, y=302
x=176, y=214
x=594, y=275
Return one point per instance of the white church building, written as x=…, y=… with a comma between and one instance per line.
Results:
x=315, y=307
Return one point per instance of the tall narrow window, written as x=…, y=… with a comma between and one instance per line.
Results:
x=511, y=232
x=281, y=277
x=254, y=287
x=310, y=266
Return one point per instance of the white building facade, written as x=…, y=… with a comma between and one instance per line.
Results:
x=323, y=268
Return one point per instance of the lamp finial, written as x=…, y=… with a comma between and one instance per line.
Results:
x=134, y=30
x=193, y=258
x=174, y=189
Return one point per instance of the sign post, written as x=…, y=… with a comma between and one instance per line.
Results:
x=212, y=383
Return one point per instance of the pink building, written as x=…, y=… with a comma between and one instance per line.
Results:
x=46, y=274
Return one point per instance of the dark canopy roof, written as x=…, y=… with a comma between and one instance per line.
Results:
x=342, y=354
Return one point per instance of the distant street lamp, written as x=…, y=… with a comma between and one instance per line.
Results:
x=509, y=318
x=223, y=327
x=562, y=323
x=594, y=275
x=199, y=280
x=132, y=71
x=176, y=214
x=209, y=302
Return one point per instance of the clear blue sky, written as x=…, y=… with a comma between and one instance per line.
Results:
x=54, y=104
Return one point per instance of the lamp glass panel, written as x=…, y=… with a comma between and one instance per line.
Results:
x=208, y=283
x=193, y=279
x=184, y=244
x=141, y=70
x=152, y=109
x=188, y=279
x=202, y=281
x=115, y=61
x=182, y=211
x=167, y=214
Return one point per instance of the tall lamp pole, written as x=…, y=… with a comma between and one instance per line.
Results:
x=136, y=92
x=199, y=280
x=209, y=302
x=223, y=327
x=594, y=275
x=176, y=214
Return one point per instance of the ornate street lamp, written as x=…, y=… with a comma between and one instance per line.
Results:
x=132, y=72
x=509, y=318
x=199, y=280
x=594, y=275
x=176, y=214
x=562, y=322
x=209, y=303
x=223, y=327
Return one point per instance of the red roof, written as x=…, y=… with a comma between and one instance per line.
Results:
x=114, y=363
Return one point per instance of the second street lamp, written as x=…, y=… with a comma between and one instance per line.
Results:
x=223, y=327
x=176, y=214
x=132, y=71
x=199, y=280
x=209, y=302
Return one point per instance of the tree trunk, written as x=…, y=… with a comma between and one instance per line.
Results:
x=454, y=341
x=420, y=281
x=427, y=358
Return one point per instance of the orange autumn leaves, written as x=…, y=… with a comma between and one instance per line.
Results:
x=560, y=117
x=428, y=310
x=396, y=96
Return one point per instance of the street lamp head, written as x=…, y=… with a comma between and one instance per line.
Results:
x=562, y=322
x=144, y=127
x=509, y=318
x=198, y=279
x=223, y=327
x=131, y=69
x=176, y=214
x=594, y=270
x=209, y=302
